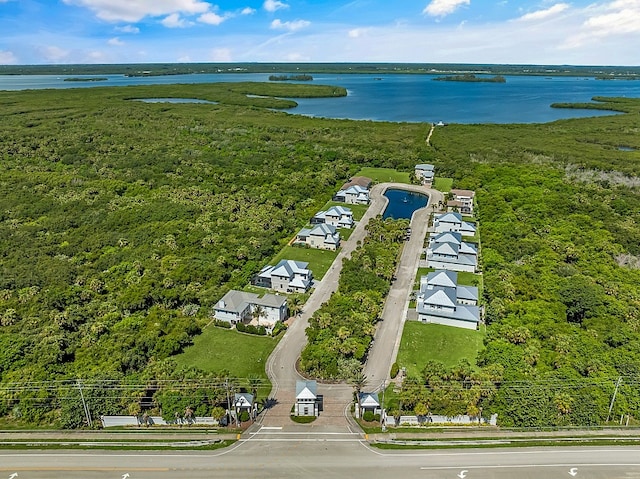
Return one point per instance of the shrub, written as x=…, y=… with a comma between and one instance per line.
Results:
x=244, y=416
x=247, y=328
x=376, y=417
x=303, y=419
x=221, y=324
x=368, y=416
x=394, y=370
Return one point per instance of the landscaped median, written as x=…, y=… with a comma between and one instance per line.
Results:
x=167, y=439
x=448, y=438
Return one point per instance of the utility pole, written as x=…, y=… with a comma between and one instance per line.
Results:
x=613, y=399
x=226, y=385
x=382, y=418
x=87, y=413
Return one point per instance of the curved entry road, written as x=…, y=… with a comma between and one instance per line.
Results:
x=281, y=364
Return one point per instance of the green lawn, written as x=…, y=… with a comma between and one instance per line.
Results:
x=357, y=210
x=345, y=233
x=217, y=349
x=422, y=342
x=443, y=184
x=383, y=175
x=319, y=260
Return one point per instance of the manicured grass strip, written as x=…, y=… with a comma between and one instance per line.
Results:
x=217, y=349
x=385, y=175
x=319, y=260
x=443, y=184
x=119, y=446
x=495, y=443
x=446, y=344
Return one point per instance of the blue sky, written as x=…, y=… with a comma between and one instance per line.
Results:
x=454, y=31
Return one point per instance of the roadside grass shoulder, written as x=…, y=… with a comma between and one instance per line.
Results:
x=448, y=345
x=319, y=260
x=384, y=175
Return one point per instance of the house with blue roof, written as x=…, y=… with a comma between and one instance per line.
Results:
x=448, y=251
x=442, y=301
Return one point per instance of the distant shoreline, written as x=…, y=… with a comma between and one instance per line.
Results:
x=288, y=69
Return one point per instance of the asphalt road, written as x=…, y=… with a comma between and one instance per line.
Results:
x=270, y=456
x=281, y=365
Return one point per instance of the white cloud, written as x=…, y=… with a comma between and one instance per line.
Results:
x=441, y=8
x=357, y=32
x=543, y=14
x=211, y=18
x=128, y=29
x=293, y=26
x=115, y=42
x=175, y=21
x=620, y=18
x=136, y=10
x=7, y=57
x=623, y=17
x=248, y=11
x=273, y=5
x=297, y=57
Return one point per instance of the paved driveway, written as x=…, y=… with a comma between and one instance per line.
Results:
x=281, y=365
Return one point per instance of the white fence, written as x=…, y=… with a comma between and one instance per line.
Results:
x=438, y=419
x=114, y=421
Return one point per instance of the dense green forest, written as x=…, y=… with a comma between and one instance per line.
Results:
x=341, y=331
x=123, y=222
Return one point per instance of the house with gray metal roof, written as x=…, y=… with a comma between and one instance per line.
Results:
x=368, y=402
x=425, y=173
x=448, y=251
x=306, y=399
x=287, y=276
x=442, y=301
x=353, y=195
x=338, y=216
x=321, y=236
x=242, y=307
x=445, y=222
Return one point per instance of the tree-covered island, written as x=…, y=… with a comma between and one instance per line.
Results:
x=472, y=78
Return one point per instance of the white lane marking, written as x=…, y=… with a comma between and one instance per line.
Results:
x=522, y=466
x=271, y=428
x=427, y=454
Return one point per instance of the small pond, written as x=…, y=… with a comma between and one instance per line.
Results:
x=626, y=148
x=175, y=100
x=403, y=203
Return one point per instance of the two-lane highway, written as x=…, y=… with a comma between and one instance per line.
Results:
x=327, y=456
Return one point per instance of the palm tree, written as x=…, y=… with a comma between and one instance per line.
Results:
x=358, y=381
x=254, y=383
